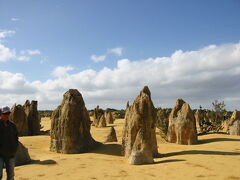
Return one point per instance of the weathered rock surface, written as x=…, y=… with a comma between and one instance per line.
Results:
x=22, y=156
x=102, y=122
x=162, y=122
x=182, y=124
x=70, y=126
x=139, y=143
x=127, y=106
x=33, y=117
x=18, y=116
x=199, y=117
x=234, y=124
x=109, y=117
x=97, y=114
x=111, y=137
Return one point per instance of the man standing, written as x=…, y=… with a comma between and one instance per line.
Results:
x=8, y=143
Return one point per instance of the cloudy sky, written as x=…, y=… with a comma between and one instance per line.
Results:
x=109, y=50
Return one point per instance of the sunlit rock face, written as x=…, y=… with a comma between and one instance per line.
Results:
x=70, y=126
x=18, y=116
x=139, y=143
x=234, y=124
x=182, y=125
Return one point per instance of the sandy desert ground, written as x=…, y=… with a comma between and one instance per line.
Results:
x=217, y=156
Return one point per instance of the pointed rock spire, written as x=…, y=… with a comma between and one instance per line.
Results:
x=182, y=124
x=139, y=143
x=111, y=137
x=70, y=126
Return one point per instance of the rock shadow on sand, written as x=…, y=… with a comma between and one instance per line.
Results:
x=168, y=161
x=109, y=149
x=205, y=141
x=201, y=152
x=163, y=161
x=44, y=162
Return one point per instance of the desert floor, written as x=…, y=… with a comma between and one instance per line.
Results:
x=217, y=156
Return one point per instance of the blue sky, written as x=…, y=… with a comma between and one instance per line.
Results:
x=62, y=33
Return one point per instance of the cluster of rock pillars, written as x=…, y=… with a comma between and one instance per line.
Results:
x=70, y=126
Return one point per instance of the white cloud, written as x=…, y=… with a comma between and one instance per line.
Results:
x=116, y=51
x=15, y=19
x=97, y=59
x=62, y=71
x=199, y=77
x=30, y=52
x=15, y=84
x=33, y=52
x=6, y=53
x=25, y=54
x=44, y=59
x=6, y=33
x=23, y=58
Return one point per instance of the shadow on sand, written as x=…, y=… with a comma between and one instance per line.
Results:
x=44, y=162
x=168, y=161
x=47, y=132
x=201, y=152
x=205, y=141
x=206, y=133
x=109, y=149
x=163, y=161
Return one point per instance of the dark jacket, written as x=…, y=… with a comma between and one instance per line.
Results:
x=8, y=139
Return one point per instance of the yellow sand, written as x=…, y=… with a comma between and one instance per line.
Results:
x=216, y=157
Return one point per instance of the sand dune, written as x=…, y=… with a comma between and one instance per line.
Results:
x=217, y=156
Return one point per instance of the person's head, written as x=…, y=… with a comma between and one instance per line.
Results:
x=5, y=113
